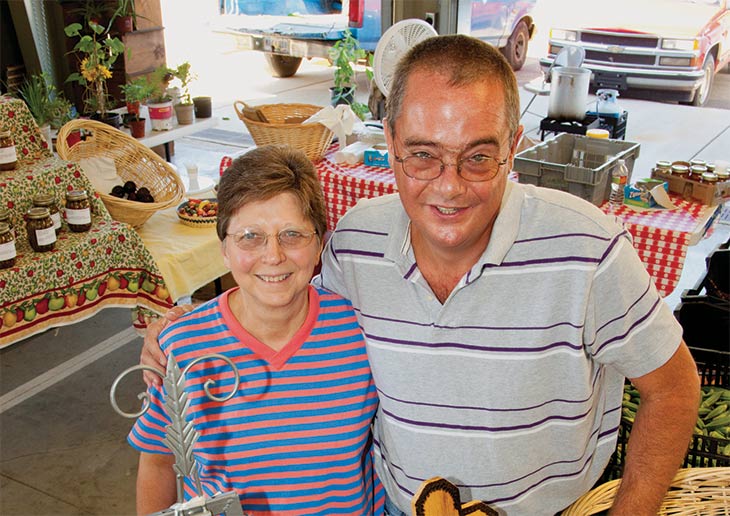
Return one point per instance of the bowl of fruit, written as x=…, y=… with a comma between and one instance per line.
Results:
x=198, y=213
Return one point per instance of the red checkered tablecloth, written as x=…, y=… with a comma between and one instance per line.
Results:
x=661, y=237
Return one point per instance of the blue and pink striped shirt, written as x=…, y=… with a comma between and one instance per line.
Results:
x=295, y=439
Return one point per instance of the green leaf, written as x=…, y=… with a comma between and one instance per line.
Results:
x=72, y=30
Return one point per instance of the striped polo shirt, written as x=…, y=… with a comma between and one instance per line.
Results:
x=511, y=388
x=295, y=439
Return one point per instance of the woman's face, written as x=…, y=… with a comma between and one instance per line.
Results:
x=272, y=276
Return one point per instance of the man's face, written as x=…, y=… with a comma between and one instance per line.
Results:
x=449, y=213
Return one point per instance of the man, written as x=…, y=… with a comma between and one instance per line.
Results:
x=501, y=319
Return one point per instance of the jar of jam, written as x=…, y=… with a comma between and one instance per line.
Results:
x=49, y=201
x=5, y=219
x=78, y=211
x=711, y=167
x=723, y=175
x=8, y=156
x=7, y=247
x=663, y=166
x=696, y=171
x=700, y=162
x=41, y=235
x=709, y=177
x=680, y=170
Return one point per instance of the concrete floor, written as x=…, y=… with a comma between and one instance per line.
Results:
x=63, y=449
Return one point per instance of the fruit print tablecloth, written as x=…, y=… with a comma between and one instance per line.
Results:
x=107, y=266
x=660, y=237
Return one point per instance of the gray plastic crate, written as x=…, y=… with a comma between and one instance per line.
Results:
x=576, y=164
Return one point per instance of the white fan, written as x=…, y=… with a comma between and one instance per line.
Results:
x=395, y=42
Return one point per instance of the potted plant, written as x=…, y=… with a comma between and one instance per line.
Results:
x=160, y=101
x=47, y=105
x=185, y=108
x=124, y=17
x=344, y=55
x=136, y=92
x=97, y=52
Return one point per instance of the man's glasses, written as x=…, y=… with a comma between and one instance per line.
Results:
x=476, y=168
x=249, y=240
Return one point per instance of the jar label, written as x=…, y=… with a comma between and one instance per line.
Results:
x=56, y=218
x=7, y=251
x=78, y=217
x=8, y=155
x=45, y=236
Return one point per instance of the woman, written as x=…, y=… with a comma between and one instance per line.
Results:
x=295, y=438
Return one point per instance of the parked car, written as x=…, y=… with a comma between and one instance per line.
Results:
x=671, y=48
x=289, y=30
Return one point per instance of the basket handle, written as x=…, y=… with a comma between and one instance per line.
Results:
x=240, y=112
x=249, y=113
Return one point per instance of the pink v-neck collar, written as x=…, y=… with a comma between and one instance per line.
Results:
x=277, y=359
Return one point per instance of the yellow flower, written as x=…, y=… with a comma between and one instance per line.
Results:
x=94, y=72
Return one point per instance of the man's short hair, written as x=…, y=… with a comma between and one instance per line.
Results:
x=265, y=172
x=464, y=60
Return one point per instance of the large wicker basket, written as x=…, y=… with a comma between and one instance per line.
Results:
x=694, y=491
x=133, y=161
x=313, y=139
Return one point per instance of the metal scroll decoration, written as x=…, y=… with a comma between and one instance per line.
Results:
x=180, y=435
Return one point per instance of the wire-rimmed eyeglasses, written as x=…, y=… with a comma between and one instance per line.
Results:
x=251, y=240
x=475, y=168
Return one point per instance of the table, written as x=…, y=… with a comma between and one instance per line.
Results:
x=661, y=238
x=187, y=257
x=86, y=272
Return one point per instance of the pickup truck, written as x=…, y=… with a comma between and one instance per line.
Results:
x=289, y=30
x=669, y=48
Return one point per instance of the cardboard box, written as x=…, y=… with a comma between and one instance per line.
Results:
x=639, y=194
x=705, y=193
x=376, y=156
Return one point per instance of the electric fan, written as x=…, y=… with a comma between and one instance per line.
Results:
x=395, y=42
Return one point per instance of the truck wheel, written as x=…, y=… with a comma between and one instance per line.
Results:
x=516, y=49
x=283, y=66
x=703, y=92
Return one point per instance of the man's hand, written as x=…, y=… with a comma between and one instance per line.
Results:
x=151, y=354
x=670, y=398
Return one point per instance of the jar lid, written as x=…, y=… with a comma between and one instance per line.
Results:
x=721, y=174
x=698, y=169
x=76, y=195
x=597, y=133
x=43, y=200
x=664, y=165
x=698, y=162
x=38, y=213
x=709, y=177
x=4, y=227
x=680, y=169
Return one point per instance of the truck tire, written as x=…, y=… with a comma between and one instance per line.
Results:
x=283, y=66
x=516, y=49
x=703, y=92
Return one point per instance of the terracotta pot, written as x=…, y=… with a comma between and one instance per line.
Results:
x=137, y=127
x=124, y=24
x=203, y=107
x=185, y=113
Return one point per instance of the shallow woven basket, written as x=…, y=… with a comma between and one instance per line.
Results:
x=694, y=491
x=195, y=222
x=313, y=139
x=133, y=161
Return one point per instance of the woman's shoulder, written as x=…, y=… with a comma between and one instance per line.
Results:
x=204, y=318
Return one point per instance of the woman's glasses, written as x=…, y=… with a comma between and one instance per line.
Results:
x=250, y=240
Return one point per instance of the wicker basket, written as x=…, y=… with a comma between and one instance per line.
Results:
x=313, y=139
x=133, y=162
x=694, y=491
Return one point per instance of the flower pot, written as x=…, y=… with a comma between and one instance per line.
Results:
x=112, y=119
x=203, y=107
x=133, y=107
x=342, y=96
x=124, y=24
x=185, y=113
x=161, y=116
x=137, y=127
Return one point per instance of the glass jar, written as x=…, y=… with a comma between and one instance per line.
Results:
x=78, y=211
x=700, y=162
x=5, y=219
x=711, y=167
x=663, y=166
x=680, y=170
x=709, y=177
x=7, y=247
x=49, y=201
x=41, y=235
x=723, y=175
x=696, y=171
x=8, y=156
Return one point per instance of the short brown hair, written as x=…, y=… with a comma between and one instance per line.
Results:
x=465, y=60
x=265, y=172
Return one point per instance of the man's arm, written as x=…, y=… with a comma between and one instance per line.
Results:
x=156, y=487
x=670, y=397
